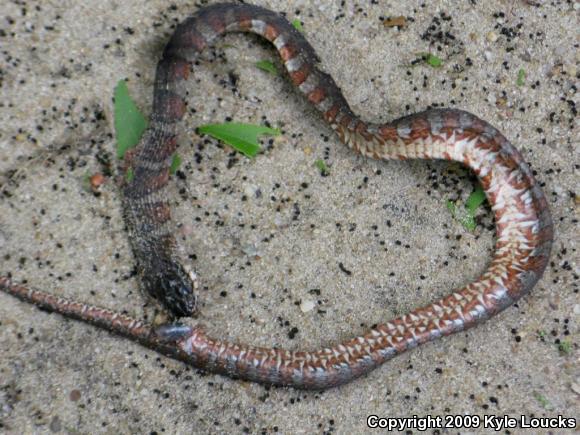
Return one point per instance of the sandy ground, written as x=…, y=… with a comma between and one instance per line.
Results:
x=269, y=234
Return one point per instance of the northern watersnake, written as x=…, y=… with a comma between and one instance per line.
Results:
x=524, y=226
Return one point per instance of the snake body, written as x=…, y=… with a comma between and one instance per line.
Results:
x=524, y=225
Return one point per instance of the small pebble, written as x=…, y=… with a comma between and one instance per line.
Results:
x=185, y=230
x=526, y=56
x=307, y=305
x=250, y=190
x=492, y=36
x=280, y=222
x=395, y=22
x=250, y=250
x=75, y=395
x=97, y=181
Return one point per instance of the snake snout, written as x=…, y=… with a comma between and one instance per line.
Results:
x=179, y=296
x=174, y=288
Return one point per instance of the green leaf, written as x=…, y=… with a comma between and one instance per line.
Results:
x=242, y=137
x=297, y=24
x=431, y=59
x=86, y=182
x=466, y=216
x=451, y=207
x=565, y=347
x=321, y=165
x=175, y=163
x=462, y=215
x=129, y=122
x=521, y=77
x=543, y=401
x=468, y=222
x=129, y=175
x=476, y=198
x=267, y=66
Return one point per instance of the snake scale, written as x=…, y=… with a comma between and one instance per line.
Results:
x=523, y=222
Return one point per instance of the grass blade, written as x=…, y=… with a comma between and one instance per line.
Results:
x=267, y=66
x=431, y=59
x=242, y=137
x=298, y=25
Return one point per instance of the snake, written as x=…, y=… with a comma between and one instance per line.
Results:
x=524, y=228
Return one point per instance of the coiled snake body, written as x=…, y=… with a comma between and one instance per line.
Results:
x=524, y=226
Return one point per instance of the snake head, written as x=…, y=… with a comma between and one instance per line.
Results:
x=173, y=287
